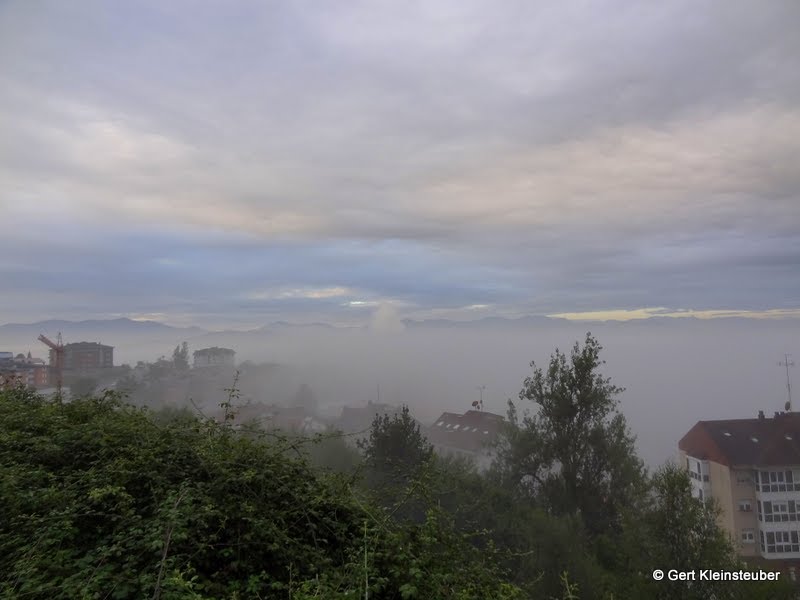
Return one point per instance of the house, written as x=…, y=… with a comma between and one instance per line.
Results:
x=470, y=435
x=751, y=467
x=214, y=357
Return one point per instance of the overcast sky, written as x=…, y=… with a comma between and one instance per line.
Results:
x=235, y=163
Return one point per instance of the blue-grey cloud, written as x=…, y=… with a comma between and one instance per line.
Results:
x=250, y=158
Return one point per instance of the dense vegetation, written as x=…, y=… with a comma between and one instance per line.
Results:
x=101, y=499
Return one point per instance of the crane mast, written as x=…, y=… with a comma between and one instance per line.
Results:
x=57, y=359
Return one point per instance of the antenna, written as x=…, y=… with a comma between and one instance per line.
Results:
x=479, y=404
x=787, y=363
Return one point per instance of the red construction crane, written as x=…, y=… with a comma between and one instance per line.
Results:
x=56, y=358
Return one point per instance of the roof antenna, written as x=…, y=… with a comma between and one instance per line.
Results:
x=479, y=403
x=787, y=363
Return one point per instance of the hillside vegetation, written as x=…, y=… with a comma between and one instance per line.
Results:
x=101, y=499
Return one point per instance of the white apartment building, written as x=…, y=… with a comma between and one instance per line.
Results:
x=751, y=467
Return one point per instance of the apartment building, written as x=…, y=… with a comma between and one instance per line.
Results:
x=214, y=357
x=85, y=356
x=751, y=467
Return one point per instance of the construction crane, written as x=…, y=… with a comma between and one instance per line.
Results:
x=56, y=358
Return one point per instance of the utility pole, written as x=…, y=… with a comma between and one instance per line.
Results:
x=787, y=363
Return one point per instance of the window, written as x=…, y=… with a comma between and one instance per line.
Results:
x=748, y=536
x=778, y=481
x=440, y=423
x=782, y=541
x=743, y=478
x=745, y=506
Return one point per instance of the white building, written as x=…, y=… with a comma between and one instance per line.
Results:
x=751, y=467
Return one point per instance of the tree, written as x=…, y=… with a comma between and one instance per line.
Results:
x=395, y=458
x=396, y=444
x=678, y=531
x=99, y=500
x=180, y=357
x=575, y=455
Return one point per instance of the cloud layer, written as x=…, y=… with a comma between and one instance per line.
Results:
x=242, y=162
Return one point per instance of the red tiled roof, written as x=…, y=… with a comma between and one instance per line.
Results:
x=470, y=432
x=761, y=442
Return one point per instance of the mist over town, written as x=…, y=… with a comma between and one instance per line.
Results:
x=415, y=300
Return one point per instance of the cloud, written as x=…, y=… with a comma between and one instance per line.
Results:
x=646, y=313
x=385, y=319
x=527, y=157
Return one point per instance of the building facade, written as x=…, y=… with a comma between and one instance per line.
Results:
x=27, y=370
x=751, y=468
x=85, y=356
x=214, y=357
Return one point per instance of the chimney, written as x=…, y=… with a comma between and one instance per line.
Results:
x=761, y=414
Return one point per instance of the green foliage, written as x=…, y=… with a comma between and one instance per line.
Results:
x=331, y=451
x=83, y=386
x=180, y=357
x=678, y=531
x=395, y=456
x=100, y=500
x=575, y=455
x=396, y=445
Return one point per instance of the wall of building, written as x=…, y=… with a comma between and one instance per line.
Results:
x=743, y=491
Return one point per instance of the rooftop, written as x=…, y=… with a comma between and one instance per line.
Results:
x=86, y=345
x=762, y=441
x=214, y=350
x=471, y=431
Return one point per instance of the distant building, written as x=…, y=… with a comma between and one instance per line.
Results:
x=85, y=356
x=469, y=435
x=214, y=357
x=24, y=369
x=751, y=467
x=355, y=419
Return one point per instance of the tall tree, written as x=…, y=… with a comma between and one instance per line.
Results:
x=575, y=454
x=180, y=357
x=677, y=531
x=396, y=444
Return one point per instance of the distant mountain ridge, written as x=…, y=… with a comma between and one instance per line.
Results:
x=124, y=326
x=121, y=325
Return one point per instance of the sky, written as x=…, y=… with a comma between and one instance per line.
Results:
x=230, y=164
